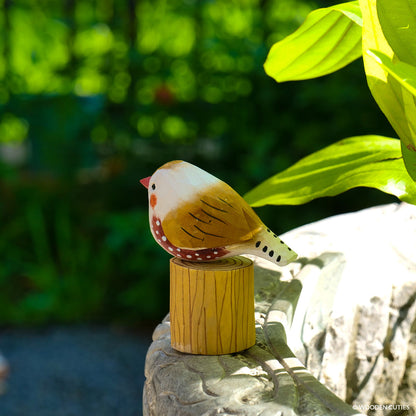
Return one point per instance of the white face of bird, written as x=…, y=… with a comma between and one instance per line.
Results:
x=174, y=183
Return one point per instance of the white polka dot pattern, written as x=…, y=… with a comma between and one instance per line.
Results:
x=206, y=254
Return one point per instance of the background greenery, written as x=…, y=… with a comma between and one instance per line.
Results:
x=95, y=95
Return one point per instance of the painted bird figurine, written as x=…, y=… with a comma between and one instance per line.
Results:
x=196, y=216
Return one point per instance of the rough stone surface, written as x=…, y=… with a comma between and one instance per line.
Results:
x=339, y=319
x=376, y=305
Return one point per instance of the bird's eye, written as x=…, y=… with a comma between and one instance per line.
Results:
x=153, y=186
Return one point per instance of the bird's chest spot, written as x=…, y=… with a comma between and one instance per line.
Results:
x=206, y=254
x=153, y=200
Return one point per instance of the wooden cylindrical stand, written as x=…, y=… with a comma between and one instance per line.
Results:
x=212, y=306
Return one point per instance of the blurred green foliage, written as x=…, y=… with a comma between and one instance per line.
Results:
x=96, y=95
x=329, y=39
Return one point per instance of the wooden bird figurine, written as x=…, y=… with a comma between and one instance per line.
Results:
x=196, y=216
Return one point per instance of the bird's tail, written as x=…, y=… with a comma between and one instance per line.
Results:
x=269, y=246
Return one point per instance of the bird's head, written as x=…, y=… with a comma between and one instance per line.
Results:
x=174, y=183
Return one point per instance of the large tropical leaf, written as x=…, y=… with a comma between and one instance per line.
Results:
x=329, y=39
x=402, y=72
x=396, y=102
x=370, y=161
x=409, y=160
x=398, y=22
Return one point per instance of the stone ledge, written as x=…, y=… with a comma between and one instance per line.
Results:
x=333, y=327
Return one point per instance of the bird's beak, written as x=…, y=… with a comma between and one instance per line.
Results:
x=145, y=182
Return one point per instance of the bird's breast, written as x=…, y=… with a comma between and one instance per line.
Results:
x=208, y=254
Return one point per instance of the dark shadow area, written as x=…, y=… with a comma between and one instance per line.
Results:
x=74, y=370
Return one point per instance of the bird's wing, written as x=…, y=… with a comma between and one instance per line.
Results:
x=217, y=217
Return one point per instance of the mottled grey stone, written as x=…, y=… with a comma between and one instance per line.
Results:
x=333, y=327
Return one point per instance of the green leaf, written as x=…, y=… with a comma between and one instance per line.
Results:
x=398, y=22
x=329, y=39
x=394, y=100
x=400, y=71
x=370, y=161
x=409, y=157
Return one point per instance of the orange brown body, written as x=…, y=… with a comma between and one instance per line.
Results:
x=196, y=216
